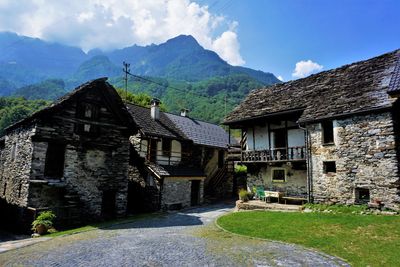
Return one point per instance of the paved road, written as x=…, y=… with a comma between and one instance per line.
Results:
x=178, y=239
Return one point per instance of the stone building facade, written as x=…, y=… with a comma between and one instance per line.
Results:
x=179, y=156
x=364, y=152
x=345, y=124
x=71, y=157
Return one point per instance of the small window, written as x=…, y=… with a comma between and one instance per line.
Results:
x=19, y=190
x=54, y=166
x=362, y=195
x=150, y=180
x=4, y=189
x=329, y=166
x=327, y=132
x=14, y=151
x=278, y=175
x=221, y=158
x=87, y=111
x=166, y=147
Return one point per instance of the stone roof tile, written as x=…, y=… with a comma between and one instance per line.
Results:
x=360, y=86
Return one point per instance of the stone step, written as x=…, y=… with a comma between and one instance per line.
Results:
x=261, y=205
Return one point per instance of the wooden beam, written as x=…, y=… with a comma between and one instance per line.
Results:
x=254, y=138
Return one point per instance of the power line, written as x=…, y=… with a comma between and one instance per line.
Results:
x=172, y=87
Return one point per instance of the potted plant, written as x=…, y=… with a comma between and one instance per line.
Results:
x=243, y=195
x=43, y=222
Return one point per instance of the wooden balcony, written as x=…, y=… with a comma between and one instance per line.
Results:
x=275, y=154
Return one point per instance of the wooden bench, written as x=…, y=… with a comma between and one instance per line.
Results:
x=295, y=199
x=275, y=194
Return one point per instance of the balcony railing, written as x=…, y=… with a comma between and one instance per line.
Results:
x=275, y=154
x=164, y=157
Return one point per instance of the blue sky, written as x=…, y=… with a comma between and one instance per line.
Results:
x=274, y=35
x=278, y=36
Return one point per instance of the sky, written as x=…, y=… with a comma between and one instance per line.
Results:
x=290, y=38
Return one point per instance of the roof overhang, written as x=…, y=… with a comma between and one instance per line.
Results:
x=241, y=122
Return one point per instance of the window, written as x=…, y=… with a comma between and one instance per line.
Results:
x=329, y=166
x=88, y=112
x=19, y=190
x=221, y=158
x=327, y=132
x=166, y=147
x=362, y=195
x=54, y=166
x=150, y=180
x=14, y=151
x=278, y=175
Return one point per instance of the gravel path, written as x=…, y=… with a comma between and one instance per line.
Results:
x=186, y=238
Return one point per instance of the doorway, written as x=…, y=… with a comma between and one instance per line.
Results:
x=280, y=137
x=108, y=204
x=195, y=192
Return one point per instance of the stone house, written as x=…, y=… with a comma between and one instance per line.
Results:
x=71, y=157
x=332, y=137
x=179, y=158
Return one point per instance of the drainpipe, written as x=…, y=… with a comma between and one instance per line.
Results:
x=307, y=140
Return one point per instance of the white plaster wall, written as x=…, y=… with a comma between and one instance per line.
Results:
x=296, y=138
x=176, y=154
x=261, y=138
x=143, y=148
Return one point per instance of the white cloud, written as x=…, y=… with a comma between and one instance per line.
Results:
x=109, y=24
x=280, y=78
x=304, y=68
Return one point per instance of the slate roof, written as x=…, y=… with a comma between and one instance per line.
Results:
x=200, y=132
x=179, y=127
x=359, y=87
x=394, y=85
x=163, y=127
x=111, y=97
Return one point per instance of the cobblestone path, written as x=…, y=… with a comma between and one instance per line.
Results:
x=187, y=238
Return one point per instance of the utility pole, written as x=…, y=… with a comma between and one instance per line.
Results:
x=126, y=70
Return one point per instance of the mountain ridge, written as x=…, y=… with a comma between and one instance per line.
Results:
x=179, y=58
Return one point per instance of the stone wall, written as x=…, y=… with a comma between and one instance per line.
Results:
x=177, y=190
x=93, y=164
x=14, y=179
x=365, y=155
x=295, y=184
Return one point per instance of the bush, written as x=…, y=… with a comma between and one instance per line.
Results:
x=244, y=195
x=45, y=218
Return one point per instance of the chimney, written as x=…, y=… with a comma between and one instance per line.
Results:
x=155, y=108
x=184, y=112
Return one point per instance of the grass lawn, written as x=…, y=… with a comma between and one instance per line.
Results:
x=362, y=240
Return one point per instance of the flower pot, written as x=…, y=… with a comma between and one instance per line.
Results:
x=41, y=229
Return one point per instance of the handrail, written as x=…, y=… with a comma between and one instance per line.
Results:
x=274, y=154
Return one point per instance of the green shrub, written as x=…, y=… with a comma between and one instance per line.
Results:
x=245, y=196
x=45, y=218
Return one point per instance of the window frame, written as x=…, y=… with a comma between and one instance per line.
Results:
x=166, y=152
x=326, y=164
x=81, y=109
x=51, y=158
x=278, y=180
x=325, y=125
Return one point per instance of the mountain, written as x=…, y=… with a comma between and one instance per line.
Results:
x=21, y=55
x=184, y=74
x=48, y=90
x=25, y=60
x=181, y=58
